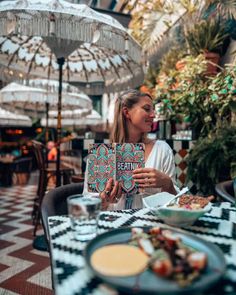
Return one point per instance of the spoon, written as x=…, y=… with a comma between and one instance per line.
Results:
x=183, y=191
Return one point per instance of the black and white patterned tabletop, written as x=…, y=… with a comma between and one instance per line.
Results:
x=73, y=278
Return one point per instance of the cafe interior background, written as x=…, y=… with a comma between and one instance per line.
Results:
x=189, y=64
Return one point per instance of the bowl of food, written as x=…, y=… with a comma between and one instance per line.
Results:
x=183, y=212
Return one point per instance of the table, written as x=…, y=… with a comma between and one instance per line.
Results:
x=71, y=276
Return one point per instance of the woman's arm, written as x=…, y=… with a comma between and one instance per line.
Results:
x=153, y=178
x=161, y=172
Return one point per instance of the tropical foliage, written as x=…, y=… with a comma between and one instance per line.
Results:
x=206, y=35
x=190, y=94
x=152, y=19
x=209, y=105
x=146, y=19
x=212, y=159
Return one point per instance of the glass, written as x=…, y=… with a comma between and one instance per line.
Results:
x=134, y=200
x=83, y=212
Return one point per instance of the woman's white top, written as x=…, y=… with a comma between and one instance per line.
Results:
x=161, y=158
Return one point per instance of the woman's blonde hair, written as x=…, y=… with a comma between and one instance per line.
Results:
x=119, y=130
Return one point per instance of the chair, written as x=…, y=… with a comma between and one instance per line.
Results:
x=22, y=168
x=46, y=172
x=225, y=190
x=77, y=178
x=54, y=203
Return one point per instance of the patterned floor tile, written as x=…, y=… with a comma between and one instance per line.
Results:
x=23, y=270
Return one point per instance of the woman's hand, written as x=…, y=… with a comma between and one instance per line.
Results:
x=150, y=177
x=112, y=193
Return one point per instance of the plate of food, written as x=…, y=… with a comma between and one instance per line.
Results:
x=184, y=211
x=155, y=260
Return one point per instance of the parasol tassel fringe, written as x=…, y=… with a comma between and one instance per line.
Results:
x=75, y=31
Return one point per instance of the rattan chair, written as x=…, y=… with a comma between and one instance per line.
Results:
x=22, y=169
x=46, y=172
x=54, y=202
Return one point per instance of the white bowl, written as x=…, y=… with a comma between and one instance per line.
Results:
x=174, y=216
x=157, y=200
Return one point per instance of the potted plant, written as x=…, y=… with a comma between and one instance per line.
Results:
x=207, y=37
x=212, y=159
x=202, y=101
x=222, y=92
x=184, y=93
x=171, y=58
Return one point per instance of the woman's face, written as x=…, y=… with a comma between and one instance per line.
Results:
x=141, y=115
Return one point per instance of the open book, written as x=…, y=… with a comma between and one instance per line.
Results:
x=115, y=161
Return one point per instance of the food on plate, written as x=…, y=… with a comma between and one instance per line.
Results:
x=119, y=260
x=197, y=260
x=168, y=256
x=192, y=202
x=159, y=249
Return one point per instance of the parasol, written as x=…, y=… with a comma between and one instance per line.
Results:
x=94, y=70
x=75, y=119
x=65, y=27
x=13, y=119
x=32, y=100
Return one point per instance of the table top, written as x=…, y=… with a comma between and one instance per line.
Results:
x=7, y=160
x=72, y=277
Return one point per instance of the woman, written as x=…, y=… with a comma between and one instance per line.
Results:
x=133, y=119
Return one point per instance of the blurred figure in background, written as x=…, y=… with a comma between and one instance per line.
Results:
x=52, y=151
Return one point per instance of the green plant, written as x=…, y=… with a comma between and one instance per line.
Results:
x=184, y=93
x=222, y=8
x=204, y=102
x=206, y=36
x=169, y=59
x=164, y=92
x=222, y=92
x=149, y=18
x=154, y=19
x=150, y=77
x=211, y=159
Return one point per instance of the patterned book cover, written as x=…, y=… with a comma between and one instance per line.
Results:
x=115, y=161
x=129, y=156
x=101, y=166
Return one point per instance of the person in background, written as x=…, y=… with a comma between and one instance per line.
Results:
x=52, y=151
x=133, y=119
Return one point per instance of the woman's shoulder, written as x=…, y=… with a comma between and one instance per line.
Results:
x=163, y=145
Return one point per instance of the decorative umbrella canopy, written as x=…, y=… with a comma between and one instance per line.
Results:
x=53, y=85
x=71, y=24
x=13, y=119
x=94, y=70
x=70, y=114
x=78, y=120
x=32, y=101
x=65, y=27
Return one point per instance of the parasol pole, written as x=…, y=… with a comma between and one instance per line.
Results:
x=60, y=62
x=46, y=131
x=46, y=127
